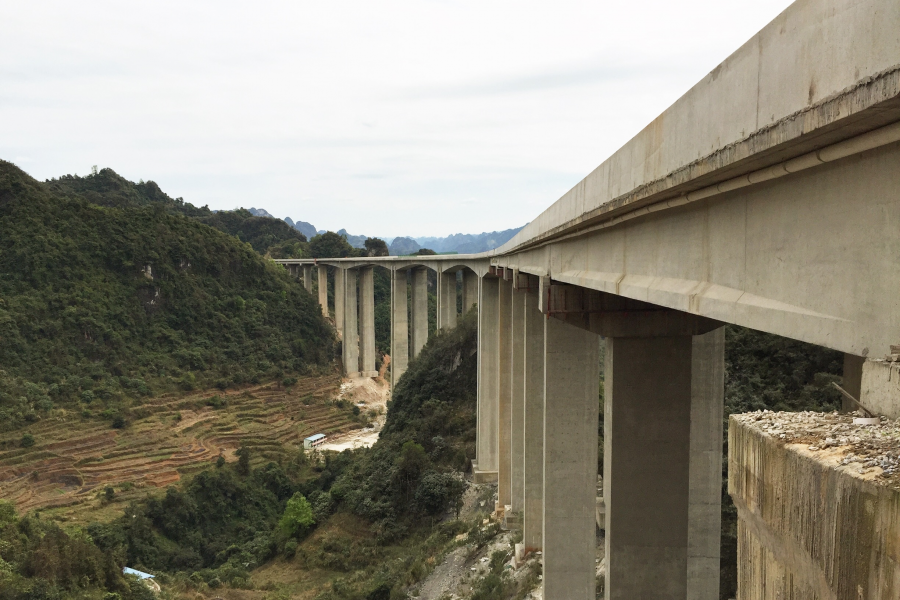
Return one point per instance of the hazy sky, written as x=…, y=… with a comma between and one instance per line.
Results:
x=385, y=118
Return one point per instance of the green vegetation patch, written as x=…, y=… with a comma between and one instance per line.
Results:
x=106, y=295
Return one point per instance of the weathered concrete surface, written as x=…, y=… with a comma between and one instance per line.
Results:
x=447, y=300
x=419, y=301
x=517, y=403
x=504, y=387
x=646, y=475
x=340, y=279
x=350, y=343
x=880, y=387
x=367, y=322
x=307, y=277
x=399, y=326
x=533, y=515
x=811, y=525
x=470, y=290
x=487, y=446
x=323, y=289
x=705, y=494
x=571, y=391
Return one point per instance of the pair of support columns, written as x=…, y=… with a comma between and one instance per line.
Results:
x=662, y=439
x=357, y=321
x=407, y=343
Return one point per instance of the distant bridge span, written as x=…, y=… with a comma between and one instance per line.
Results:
x=768, y=196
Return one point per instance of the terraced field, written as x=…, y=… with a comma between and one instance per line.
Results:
x=74, y=460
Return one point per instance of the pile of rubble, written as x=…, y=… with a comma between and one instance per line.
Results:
x=866, y=449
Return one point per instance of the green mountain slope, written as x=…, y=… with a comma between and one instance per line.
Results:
x=109, y=294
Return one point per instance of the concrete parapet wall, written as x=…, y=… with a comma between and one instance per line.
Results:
x=810, y=526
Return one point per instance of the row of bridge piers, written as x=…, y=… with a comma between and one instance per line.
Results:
x=545, y=349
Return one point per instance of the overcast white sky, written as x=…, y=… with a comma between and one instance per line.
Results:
x=386, y=118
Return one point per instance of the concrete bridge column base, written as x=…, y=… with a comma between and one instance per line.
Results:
x=571, y=405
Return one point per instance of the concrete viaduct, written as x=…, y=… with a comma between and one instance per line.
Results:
x=768, y=196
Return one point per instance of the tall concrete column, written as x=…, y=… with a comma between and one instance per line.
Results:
x=487, y=428
x=533, y=513
x=399, y=327
x=470, y=290
x=504, y=387
x=351, y=337
x=447, y=300
x=340, y=277
x=367, y=322
x=705, y=499
x=662, y=455
x=517, y=404
x=323, y=289
x=571, y=407
x=307, y=277
x=419, y=310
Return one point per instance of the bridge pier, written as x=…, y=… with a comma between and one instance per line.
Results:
x=488, y=426
x=517, y=403
x=399, y=326
x=533, y=511
x=367, y=322
x=323, y=289
x=350, y=345
x=340, y=278
x=571, y=407
x=662, y=471
x=447, y=300
x=307, y=277
x=419, y=310
x=470, y=290
x=504, y=390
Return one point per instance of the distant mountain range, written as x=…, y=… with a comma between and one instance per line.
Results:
x=461, y=243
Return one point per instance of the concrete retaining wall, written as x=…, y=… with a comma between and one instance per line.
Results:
x=810, y=528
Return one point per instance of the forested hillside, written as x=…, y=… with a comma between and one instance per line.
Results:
x=112, y=291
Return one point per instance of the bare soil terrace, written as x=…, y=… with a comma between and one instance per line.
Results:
x=74, y=460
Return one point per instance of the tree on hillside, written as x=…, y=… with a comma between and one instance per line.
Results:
x=425, y=252
x=298, y=516
x=330, y=245
x=376, y=247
